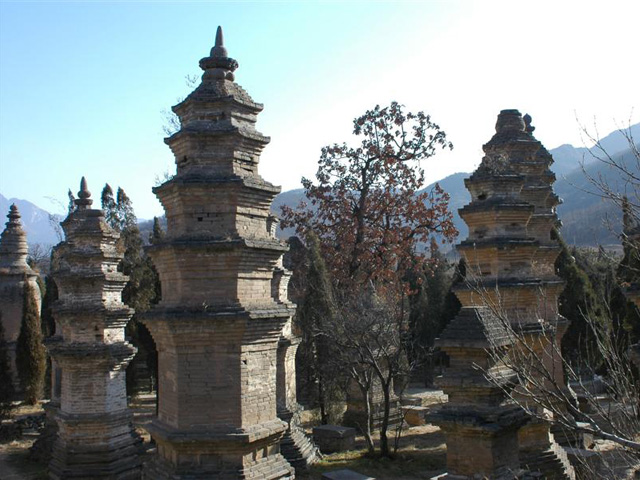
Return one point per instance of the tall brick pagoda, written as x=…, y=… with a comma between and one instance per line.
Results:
x=217, y=327
x=96, y=438
x=510, y=253
x=14, y=271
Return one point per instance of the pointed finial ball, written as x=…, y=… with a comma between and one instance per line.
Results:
x=83, y=200
x=218, y=50
x=218, y=65
x=84, y=190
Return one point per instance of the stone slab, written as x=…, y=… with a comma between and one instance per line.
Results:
x=345, y=475
x=415, y=415
x=334, y=438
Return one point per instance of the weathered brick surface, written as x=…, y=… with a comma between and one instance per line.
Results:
x=219, y=322
x=96, y=438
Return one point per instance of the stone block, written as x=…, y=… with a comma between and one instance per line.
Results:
x=414, y=415
x=334, y=438
x=345, y=475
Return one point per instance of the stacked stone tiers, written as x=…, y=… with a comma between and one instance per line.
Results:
x=96, y=438
x=480, y=425
x=218, y=326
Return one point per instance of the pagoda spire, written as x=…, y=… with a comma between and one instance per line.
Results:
x=84, y=195
x=218, y=65
x=13, y=244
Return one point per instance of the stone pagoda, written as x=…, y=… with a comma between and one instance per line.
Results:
x=96, y=438
x=14, y=272
x=218, y=326
x=479, y=423
x=510, y=253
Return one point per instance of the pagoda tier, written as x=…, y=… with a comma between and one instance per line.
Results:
x=96, y=438
x=219, y=323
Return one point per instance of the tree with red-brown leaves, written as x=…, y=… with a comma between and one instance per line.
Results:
x=366, y=208
x=370, y=217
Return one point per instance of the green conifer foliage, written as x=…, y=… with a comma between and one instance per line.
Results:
x=577, y=303
x=6, y=384
x=432, y=305
x=315, y=312
x=30, y=351
x=143, y=288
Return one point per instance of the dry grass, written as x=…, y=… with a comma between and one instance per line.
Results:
x=421, y=455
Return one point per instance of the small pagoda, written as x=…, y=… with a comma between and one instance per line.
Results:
x=510, y=254
x=96, y=438
x=14, y=272
x=217, y=326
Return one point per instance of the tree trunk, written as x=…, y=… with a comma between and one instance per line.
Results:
x=384, y=442
x=324, y=418
x=367, y=430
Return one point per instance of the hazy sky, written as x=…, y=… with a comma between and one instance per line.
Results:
x=83, y=84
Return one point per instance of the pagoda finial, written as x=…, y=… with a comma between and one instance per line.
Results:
x=218, y=49
x=14, y=214
x=527, y=123
x=218, y=65
x=83, y=200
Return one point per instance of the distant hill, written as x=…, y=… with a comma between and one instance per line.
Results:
x=589, y=219
x=568, y=158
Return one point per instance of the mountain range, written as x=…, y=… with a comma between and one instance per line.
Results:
x=587, y=218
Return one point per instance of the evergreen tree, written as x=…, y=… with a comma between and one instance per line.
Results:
x=429, y=308
x=143, y=287
x=579, y=304
x=315, y=312
x=6, y=383
x=629, y=267
x=157, y=234
x=452, y=305
x=30, y=352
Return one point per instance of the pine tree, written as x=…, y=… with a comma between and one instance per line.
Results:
x=30, y=352
x=579, y=304
x=6, y=383
x=157, y=234
x=315, y=312
x=143, y=287
x=429, y=308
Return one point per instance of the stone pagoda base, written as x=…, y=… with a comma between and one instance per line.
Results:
x=231, y=455
x=296, y=447
x=103, y=446
x=481, y=440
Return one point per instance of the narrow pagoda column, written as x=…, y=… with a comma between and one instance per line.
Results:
x=296, y=447
x=14, y=271
x=510, y=253
x=217, y=327
x=96, y=437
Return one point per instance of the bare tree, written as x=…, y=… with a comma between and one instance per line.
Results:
x=368, y=342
